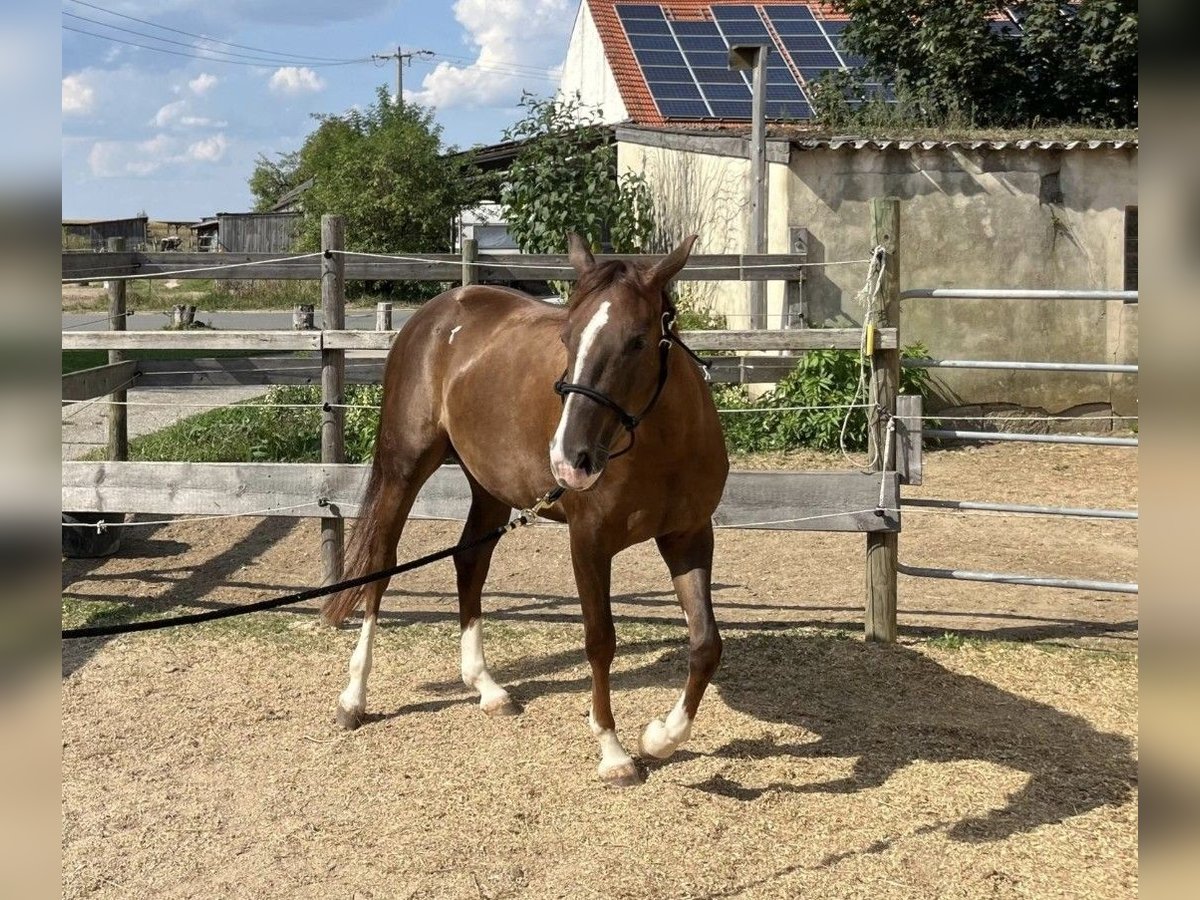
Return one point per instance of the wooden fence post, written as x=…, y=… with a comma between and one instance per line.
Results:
x=383, y=316
x=470, y=253
x=880, y=624
x=333, y=375
x=118, y=412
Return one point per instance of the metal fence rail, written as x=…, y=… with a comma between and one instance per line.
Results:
x=1014, y=294
x=957, y=435
x=1019, y=365
x=1021, y=509
x=1076, y=584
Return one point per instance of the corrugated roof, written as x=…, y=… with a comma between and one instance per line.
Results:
x=838, y=143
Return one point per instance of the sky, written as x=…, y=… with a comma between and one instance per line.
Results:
x=177, y=135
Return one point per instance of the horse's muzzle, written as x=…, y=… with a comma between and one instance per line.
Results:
x=578, y=473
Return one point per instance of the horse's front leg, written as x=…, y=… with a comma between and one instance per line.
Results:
x=689, y=558
x=593, y=572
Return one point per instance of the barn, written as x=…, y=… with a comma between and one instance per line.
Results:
x=93, y=233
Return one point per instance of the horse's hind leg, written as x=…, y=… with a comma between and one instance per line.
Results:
x=391, y=492
x=689, y=557
x=487, y=513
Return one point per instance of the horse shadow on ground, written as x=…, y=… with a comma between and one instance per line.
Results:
x=883, y=707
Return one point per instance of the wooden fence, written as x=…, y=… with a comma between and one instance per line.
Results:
x=811, y=501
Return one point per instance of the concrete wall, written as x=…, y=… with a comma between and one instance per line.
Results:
x=586, y=70
x=987, y=218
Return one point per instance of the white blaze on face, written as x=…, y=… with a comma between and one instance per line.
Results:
x=563, y=470
x=354, y=698
x=474, y=668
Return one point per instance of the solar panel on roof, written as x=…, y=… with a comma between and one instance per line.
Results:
x=697, y=43
x=666, y=73
x=727, y=91
x=735, y=12
x=824, y=60
x=652, y=42
x=718, y=76
x=729, y=109
x=683, y=109
x=707, y=29
x=659, y=57
x=639, y=11
x=789, y=111
x=709, y=60
x=806, y=42
x=676, y=91
x=646, y=26
x=788, y=12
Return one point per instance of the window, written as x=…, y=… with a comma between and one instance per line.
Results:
x=1131, y=250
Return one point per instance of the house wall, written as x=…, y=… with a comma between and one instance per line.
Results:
x=1020, y=218
x=586, y=70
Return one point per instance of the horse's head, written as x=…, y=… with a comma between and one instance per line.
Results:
x=614, y=327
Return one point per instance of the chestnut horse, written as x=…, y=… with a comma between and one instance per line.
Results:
x=474, y=375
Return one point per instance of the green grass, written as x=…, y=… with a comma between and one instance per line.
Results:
x=950, y=640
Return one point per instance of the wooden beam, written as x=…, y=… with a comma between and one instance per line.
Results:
x=333, y=371
x=83, y=264
x=96, y=382
x=253, y=370
x=845, y=501
x=200, y=339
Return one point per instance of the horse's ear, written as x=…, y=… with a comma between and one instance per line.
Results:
x=668, y=267
x=579, y=253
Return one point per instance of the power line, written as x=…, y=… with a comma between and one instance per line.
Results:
x=257, y=59
x=205, y=37
x=211, y=59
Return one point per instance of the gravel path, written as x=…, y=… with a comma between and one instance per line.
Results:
x=85, y=425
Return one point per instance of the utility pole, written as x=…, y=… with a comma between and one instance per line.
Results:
x=402, y=58
x=754, y=58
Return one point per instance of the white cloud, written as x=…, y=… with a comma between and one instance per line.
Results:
x=295, y=80
x=511, y=38
x=209, y=149
x=78, y=97
x=176, y=115
x=169, y=113
x=114, y=159
x=202, y=84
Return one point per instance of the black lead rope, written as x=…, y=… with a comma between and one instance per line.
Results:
x=313, y=593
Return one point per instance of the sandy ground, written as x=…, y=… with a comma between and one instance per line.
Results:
x=204, y=762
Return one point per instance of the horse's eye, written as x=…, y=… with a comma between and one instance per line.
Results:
x=638, y=343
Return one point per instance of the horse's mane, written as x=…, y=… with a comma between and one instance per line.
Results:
x=604, y=275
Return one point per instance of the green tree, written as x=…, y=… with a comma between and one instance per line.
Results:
x=272, y=178
x=565, y=179
x=956, y=61
x=384, y=169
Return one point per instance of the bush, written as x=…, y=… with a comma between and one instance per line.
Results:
x=822, y=378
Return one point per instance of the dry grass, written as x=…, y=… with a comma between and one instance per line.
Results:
x=204, y=763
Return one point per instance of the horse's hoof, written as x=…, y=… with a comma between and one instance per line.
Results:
x=621, y=776
x=348, y=719
x=655, y=742
x=500, y=707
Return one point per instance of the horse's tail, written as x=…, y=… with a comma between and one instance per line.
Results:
x=363, y=555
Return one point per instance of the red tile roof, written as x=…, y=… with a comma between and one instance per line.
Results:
x=628, y=74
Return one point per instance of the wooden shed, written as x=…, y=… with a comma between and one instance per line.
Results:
x=92, y=233
x=271, y=232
